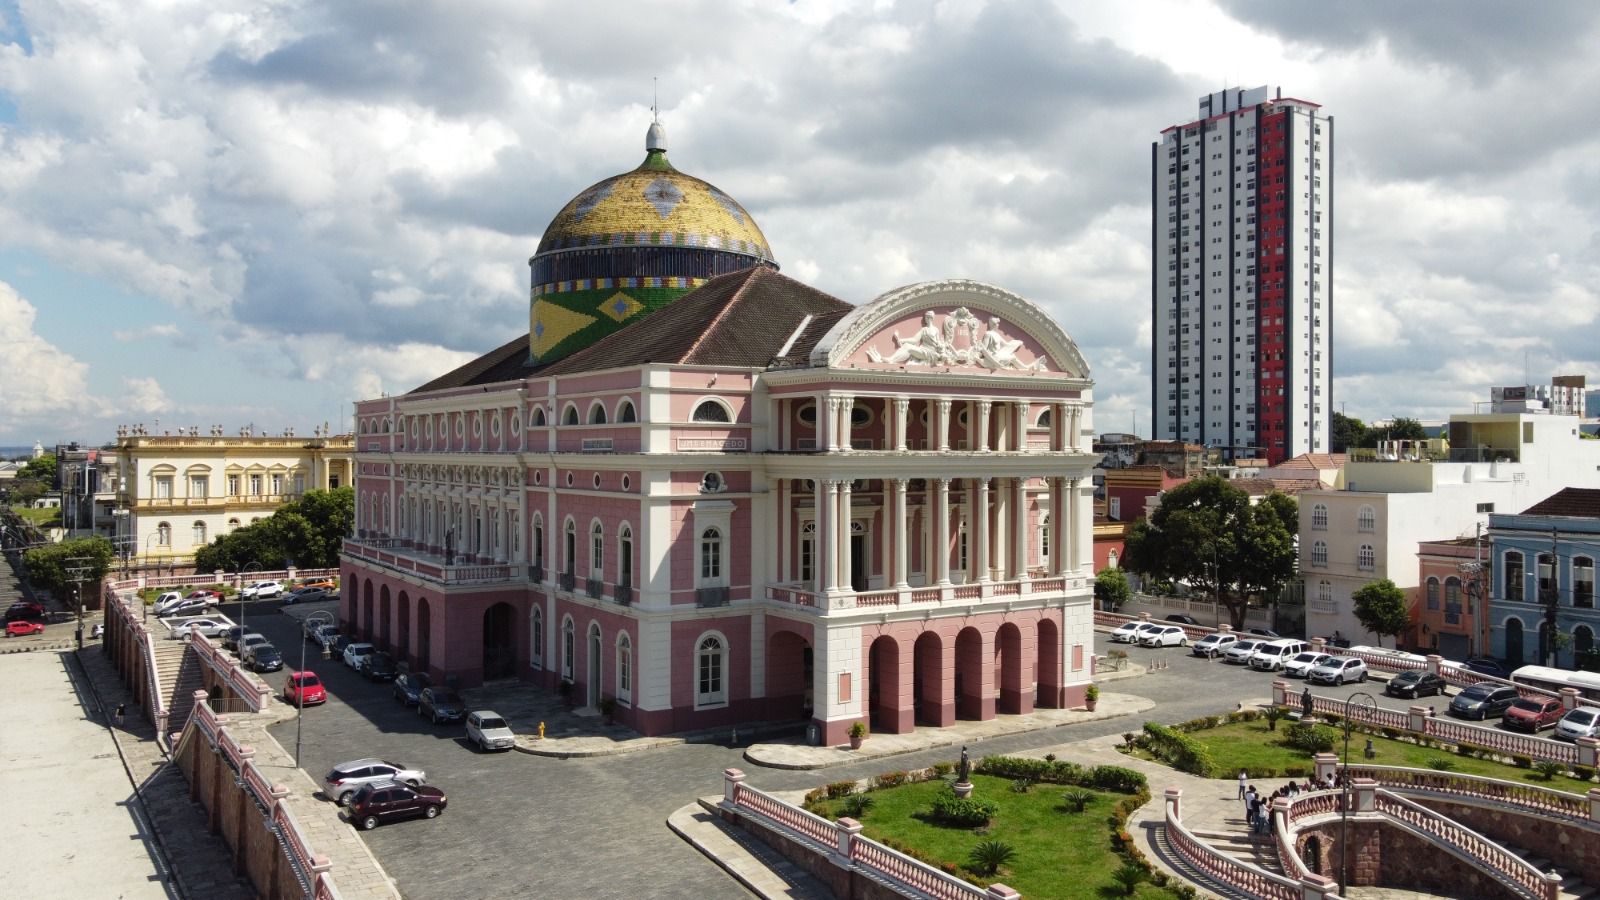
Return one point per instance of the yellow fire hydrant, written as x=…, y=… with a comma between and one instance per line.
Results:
x=541, y=731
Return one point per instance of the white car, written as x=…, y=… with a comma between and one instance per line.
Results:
x=1132, y=632
x=1213, y=644
x=489, y=731
x=1581, y=722
x=1165, y=636
x=355, y=654
x=1303, y=663
x=341, y=784
x=210, y=626
x=1338, y=670
x=1271, y=655
x=261, y=590
x=1240, y=652
x=166, y=600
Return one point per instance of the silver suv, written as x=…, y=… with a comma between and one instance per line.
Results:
x=342, y=783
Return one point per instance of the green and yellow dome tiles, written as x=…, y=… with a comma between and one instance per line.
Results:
x=631, y=245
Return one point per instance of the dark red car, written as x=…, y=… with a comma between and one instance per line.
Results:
x=203, y=594
x=25, y=609
x=304, y=689
x=1532, y=714
x=389, y=801
x=23, y=628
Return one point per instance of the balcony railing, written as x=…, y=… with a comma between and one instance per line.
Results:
x=594, y=587
x=569, y=582
x=799, y=594
x=391, y=553
x=536, y=572
x=711, y=596
x=623, y=594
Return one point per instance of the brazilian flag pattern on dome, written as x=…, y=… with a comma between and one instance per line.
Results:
x=629, y=246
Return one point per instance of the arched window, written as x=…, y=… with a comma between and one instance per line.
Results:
x=1513, y=646
x=1366, y=558
x=538, y=541
x=1583, y=582
x=164, y=534
x=1547, y=577
x=570, y=417
x=625, y=556
x=710, y=659
x=1325, y=592
x=808, y=544
x=625, y=411
x=198, y=535
x=711, y=411
x=1319, y=517
x=233, y=524
x=1319, y=553
x=624, y=669
x=536, y=638
x=1514, y=581
x=537, y=419
x=962, y=561
x=711, y=483
x=711, y=557
x=1582, y=640
x=1433, y=593
x=570, y=562
x=597, y=414
x=597, y=550
x=566, y=649
x=1044, y=539
x=1366, y=519
x=1452, y=600
x=1044, y=420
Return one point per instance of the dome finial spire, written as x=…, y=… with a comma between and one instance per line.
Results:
x=655, y=140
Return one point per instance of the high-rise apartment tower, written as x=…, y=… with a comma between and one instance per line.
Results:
x=1241, y=296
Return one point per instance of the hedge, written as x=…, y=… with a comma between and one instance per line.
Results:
x=1110, y=778
x=1177, y=749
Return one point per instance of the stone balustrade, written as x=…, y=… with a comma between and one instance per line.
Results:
x=1234, y=873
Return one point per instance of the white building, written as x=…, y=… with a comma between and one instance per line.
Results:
x=1242, y=292
x=1369, y=530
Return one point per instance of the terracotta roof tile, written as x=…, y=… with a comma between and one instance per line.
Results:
x=1576, y=503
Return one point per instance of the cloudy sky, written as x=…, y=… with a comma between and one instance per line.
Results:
x=256, y=212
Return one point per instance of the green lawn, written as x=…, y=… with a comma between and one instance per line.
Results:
x=1059, y=853
x=1251, y=746
x=41, y=518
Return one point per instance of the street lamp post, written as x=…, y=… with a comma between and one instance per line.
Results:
x=239, y=575
x=1369, y=704
x=147, y=541
x=321, y=617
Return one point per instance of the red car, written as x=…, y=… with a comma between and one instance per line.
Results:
x=304, y=689
x=203, y=594
x=23, y=628
x=388, y=801
x=1532, y=714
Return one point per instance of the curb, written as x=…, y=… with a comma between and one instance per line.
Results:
x=536, y=750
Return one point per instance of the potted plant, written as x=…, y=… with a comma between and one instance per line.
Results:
x=608, y=708
x=858, y=733
x=1091, y=697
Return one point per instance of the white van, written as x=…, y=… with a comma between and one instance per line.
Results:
x=1271, y=655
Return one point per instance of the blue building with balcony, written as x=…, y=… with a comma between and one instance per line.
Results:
x=1543, y=562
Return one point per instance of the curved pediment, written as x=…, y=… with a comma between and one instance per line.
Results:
x=955, y=324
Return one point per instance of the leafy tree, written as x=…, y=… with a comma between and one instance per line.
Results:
x=1207, y=532
x=308, y=531
x=1347, y=432
x=1381, y=608
x=50, y=566
x=41, y=469
x=1401, y=429
x=1111, y=588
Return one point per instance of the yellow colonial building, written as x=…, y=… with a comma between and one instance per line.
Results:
x=177, y=492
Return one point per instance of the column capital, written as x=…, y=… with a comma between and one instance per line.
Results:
x=901, y=483
x=944, y=403
x=984, y=403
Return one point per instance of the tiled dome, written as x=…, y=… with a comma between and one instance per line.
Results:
x=632, y=244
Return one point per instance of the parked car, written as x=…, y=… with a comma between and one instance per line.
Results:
x=1486, y=665
x=354, y=653
x=204, y=594
x=1131, y=632
x=1213, y=644
x=1483, y=700
x=1303, y=662
x=261, y=590
x=210, y=626
x=327, y=584
x=389, y=802
x=25, y=610
x=230, y=637
x=327, y=635
x=1532, y=713
x=1165, y=636
x=408, y=687
x=23, y=628
x=183, y=606
x=1271, y=655
x=441, y=704
x=304, y=689
x=379, y=666
x=304, y=595
x=263, y=658
x=1338, y=670
x=310, y=627
x=1182, y=619
x=489, y=731
x=1239, y=652
x=164, y=598
x=1581, y=722
x=345, y=779
x=1415, y=683
x=246, y=641
x=1263, y=632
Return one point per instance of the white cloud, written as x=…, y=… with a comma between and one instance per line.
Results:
x=149, y=333
x=38, y=381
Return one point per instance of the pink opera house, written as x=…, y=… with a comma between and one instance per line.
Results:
x=713, y=495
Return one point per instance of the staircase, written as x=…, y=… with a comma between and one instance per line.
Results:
x=1258, y=850
x=1572, y=885
x=178, y=674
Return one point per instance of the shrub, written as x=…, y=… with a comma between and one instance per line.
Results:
x=1077, y=800
x=1117, y=778
x=855, y=806
x=1049, y=757
x=1014, y=767
x=1063, y=772
x=813, y=797
x=941, y=769
x=1522, y=762
x=1310, y=738
x=858, y=730
x=837, y=789
x=960, y=812
x=891, y=779
x=1092, y=693
x=1021, y=785
x=1441, y=763
x=1464, y=750
x=1549, y=769
x=1583, y=773
x=1177, y=750
x=1128, y=877
x=1274, y=713
x=988, y=856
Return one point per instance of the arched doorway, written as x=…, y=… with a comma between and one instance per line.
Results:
x=973, y=677
x=402, y=639
x=383, y=618
x=929, y=691
x=1048, y=669
x=1313, y=854
x=1010, y=671
x=1513, y=650
x=888, y=711
x=788, y=676
x=424, y=635
x=593, y=683
x=499, y=643
x=365, y=627
x=1582, y=642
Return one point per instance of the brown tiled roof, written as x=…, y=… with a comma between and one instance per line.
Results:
x=1258, y=487
x=740, y=319
x=1315, y=461
x=1577, y=503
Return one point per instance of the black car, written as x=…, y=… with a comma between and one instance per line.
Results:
x=389, y=801
x=339, y=643
x=1264, y=632
x=1182, y=619
x=230, y=638
x=1486, y=665
x=1415, y=683
x=379, y=666
x=441, y=704
x=264, y=658
x=1482, y=701
x=408, y=687
x=25, y=612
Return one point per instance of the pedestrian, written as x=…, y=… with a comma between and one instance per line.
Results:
x=1243, y=783
x=117, y=717
x=1252, y=805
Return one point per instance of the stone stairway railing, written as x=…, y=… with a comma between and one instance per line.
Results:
x=1527, y=798
x=1235, y=874
x=1484, y=854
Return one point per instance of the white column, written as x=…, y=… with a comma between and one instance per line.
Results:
x=981, y=444
x=1024, y=536
x=901, y=406
x=944, y=425
x=1074, y=426
x=1021, y=424
x=827, y=543
x=980, y=512
x=1002, y=532
x=846, y=582
x=780, y=503
x=1058, y=427
x=1060, y=529
x=846, y=427
x=941, y=530
x=824, y=426
x=901, y=529
x=1074, y=535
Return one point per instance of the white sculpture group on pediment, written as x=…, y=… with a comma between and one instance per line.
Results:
x=933, y=345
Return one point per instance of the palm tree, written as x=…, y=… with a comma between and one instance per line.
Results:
x=989, y=856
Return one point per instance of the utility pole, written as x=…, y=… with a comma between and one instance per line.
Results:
x=1552, y=604
x=77, y=570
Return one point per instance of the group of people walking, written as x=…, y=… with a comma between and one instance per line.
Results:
x=1258, y=808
